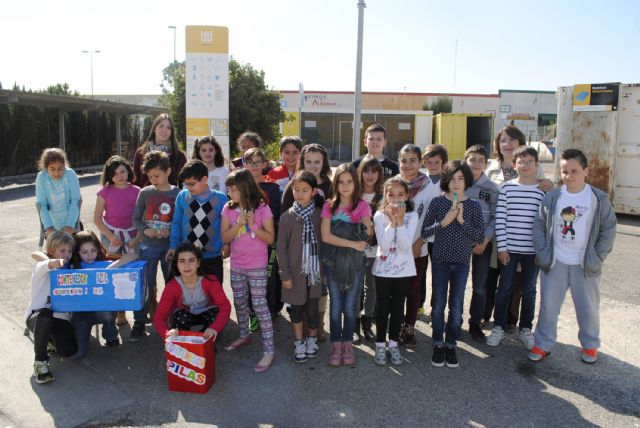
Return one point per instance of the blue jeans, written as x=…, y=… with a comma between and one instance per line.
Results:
x=448, y=278
x=343, y=304
x=82, y=323
x=152, y=255
x=479, y=275
x=529, y=272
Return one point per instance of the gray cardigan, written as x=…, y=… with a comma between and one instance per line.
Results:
x=601, y=236
x=289, y=251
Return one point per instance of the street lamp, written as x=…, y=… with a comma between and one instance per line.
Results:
x=173, y=27
x=91, y=58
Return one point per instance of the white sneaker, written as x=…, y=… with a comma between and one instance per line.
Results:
x=526, y=336
x=496, y=336
x=312, y=347
x=300, y=355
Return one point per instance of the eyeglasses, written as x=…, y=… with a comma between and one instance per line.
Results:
x=525, y=163
x=191, y=183
x=254, y=163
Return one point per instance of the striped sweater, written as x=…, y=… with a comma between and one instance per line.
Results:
x=517, y=207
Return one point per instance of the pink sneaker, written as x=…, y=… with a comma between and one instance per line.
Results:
x=336, y=354
x=348, y=357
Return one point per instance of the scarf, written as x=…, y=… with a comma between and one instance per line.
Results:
x=310, y=259
x=159, y=147
x=417, y=184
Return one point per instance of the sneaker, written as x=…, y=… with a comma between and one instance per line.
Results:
x=137, y=333
x=526, y=336
x=367, y=332
x=428, y=319
x=113, y=343
x=410, y=336
x=496, y=336
x=348, y=357
x=254, y=324
x=312, y=347
x=396, y=357
x=300, y=353
x=381, y=355
x=476, y=332
x=437, y=360
x=536, y=354
x=450, y=357
x=589, y=356
x=335, y=359
x=41, y=372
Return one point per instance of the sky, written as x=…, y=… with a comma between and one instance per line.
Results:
x=409, y=46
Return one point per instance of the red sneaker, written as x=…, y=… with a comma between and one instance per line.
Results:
x=536, y=354
x=589, y=356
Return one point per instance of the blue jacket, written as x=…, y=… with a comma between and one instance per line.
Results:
x=44, y=198
x=601, y=235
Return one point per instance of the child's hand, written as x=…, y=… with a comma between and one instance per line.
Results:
x=69, y=230
x=170, y=254
x=288, y=284
x=399, y=215
x=49, y=231
x=133, y=243
x=388, y=211
x=545, y=185
x=417, y=248
x=210, y=332
x=478, y=249
x=249, y=219
x=151, y=233
x=226, y=251
x=459, y=217
x=503, y=257
x=449, y=218
x=359, y=245
x=164, y=233
x=173, y=332
x=56, y=263
x=115, y=241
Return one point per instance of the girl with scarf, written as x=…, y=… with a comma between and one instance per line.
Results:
x=298, y=248
x=420, y=195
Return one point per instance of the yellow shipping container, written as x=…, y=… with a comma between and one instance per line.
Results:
x=457, y=132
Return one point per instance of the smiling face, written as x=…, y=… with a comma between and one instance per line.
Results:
x=573, y=175
x=163, y=132
x=302, y=192
x=457, y=183
x=207, y=153
x=375, y=142
x=526, y=167
x=255, y=165
x=88, y=252
x=477, y=163
x=508, y=145
x=120, y=176
x=188, y=265
x=313, y=162
x=409, y=165
x=245, y=145
x=434, y=165
x=55, y=170
x=346, y=186
x=63, y=251
x=290, y=156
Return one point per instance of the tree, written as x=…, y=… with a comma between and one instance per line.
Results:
x=59, y=89
x=439, y=105
x=173, y=97
x=252, y=106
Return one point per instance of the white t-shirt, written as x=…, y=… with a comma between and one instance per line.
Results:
x=395, y=246
x=217, y=176
x=573, y=214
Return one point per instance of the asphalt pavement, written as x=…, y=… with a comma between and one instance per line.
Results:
x=127, y=386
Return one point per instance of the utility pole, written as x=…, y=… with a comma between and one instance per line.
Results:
x=355, y=153
x=174, y=41
x=91, y=59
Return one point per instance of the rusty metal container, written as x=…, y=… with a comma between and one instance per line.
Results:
x=611, y=141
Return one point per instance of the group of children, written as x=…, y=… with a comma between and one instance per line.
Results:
x=296, y=236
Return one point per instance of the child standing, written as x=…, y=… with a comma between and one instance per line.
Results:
x=456, y=222
x=313, y=158
x=248, y=140
x=346, y=227
x=485, y=192
x=196, y=218
x=298, y=249
x=115, y=203
x=209, y=151
x=290, y=147
x=371, y=176
x=572, y=234
x=57, y=192
x=152, y=217
x=247, y=223
x=375, y=140
x=518, y=204
x=191, y=297
x=45, y=324
x=394, y=266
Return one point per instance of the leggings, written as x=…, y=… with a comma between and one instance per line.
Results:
x=183, y=319
x=46, y=327
x=244, y=281
x=390, y=293
x=311, y=306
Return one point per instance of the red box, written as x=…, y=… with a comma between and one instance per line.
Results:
x=190, y=362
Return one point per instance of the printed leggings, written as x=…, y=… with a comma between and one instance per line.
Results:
x=255, y=281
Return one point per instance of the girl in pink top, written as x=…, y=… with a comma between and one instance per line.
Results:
x=247, y=224
x=114, y=207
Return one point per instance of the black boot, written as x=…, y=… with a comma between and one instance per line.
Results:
x=366, y=329
x=358, y=335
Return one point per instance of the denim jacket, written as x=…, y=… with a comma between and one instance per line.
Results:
x=601, y=236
